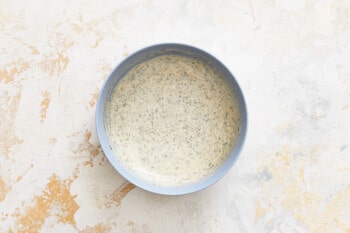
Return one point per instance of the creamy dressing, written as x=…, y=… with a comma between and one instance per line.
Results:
x=172, y=120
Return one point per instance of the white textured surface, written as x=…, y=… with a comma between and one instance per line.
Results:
x=292, y=59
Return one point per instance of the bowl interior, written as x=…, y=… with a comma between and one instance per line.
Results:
x=119, y=72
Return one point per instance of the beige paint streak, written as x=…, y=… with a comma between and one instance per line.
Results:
x=3, y=189
x=8, y=108
x=44, y=105
x=118, y=195
x=94, y=98
x=288, y=189
x=92, y=149
x=53, y=140
x=55, y=64
x=87, y=146
x=10, y=71
x=56, y=195
x=99, y=228
x=34, y=50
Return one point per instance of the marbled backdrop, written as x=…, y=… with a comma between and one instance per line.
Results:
x=292, y=59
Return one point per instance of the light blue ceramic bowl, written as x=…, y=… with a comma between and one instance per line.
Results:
x=119, y=72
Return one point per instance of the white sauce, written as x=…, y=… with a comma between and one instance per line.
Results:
x=172, y=120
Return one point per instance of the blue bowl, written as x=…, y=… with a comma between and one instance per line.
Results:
x=119, y=72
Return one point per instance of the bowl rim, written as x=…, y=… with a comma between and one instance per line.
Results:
x=129, y=176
